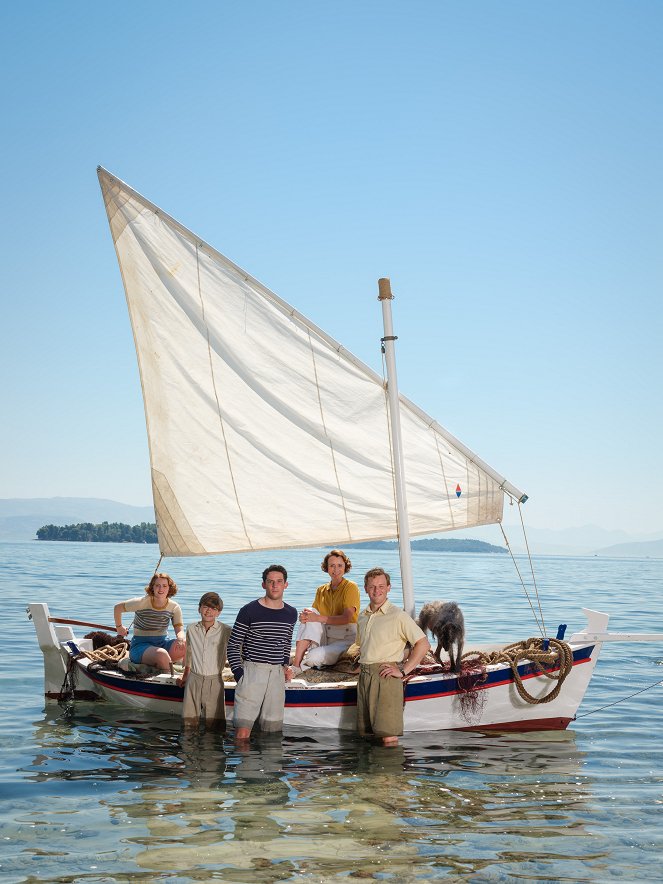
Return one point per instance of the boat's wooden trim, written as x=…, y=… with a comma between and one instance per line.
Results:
x=83, y=696
x=530, y=724
x=80, y=623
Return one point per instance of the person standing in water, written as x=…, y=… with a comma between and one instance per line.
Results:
x=206, y=644
x=384, y=631
x=259, y=656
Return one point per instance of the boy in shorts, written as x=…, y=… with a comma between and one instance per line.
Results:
x=207, y=641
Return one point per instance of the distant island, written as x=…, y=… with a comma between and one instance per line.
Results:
x=434, y=544
x=146, y=532
x=105, y=532
x=21, y=517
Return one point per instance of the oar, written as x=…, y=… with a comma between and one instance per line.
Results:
x=81, y=623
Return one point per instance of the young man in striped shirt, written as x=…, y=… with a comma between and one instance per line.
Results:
x=259, y=656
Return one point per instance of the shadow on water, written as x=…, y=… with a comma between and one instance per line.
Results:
x=133, y=797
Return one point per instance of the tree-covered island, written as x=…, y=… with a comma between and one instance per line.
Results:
x=106, y=532
x=146, y=532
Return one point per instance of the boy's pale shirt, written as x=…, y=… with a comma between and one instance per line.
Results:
x=206, y=648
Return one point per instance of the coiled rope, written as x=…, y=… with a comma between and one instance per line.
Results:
x=544, y=654
x=107, y=654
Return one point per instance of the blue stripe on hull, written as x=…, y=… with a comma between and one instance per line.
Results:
x=342, y=696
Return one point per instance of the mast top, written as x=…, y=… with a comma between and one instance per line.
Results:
x=384, y=288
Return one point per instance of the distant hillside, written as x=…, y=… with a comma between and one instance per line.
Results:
x=434, y=544
x=581, y=540
x=650, y=549
x=21, y=517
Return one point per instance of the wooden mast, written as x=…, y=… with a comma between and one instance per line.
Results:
x=405, y=553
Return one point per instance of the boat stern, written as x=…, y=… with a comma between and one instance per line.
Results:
x=56, y=658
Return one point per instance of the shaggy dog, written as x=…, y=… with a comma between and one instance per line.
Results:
x=102, y=639
x=446, y=623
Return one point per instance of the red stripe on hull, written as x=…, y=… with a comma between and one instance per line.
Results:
x=531, y=724
x=133, y=693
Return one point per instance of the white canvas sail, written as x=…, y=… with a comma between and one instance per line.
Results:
x=264, y=433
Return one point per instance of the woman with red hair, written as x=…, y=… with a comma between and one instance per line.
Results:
x=153, y=613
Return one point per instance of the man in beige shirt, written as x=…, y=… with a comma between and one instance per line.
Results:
x=383, y=631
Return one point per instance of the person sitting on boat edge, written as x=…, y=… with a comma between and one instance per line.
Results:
x=330, y=626
x=259, y=656
x=206, y=645
x=152, y=614
x=383, y=631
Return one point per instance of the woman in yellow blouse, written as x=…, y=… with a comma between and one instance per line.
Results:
x=330, y=626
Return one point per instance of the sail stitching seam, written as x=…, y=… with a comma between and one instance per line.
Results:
x=444, y=479
x=324, y=427
x=218, y=403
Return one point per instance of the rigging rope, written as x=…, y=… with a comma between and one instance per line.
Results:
x=67, y=693
x=541, y=625
x=617, y=702
x=531, y=564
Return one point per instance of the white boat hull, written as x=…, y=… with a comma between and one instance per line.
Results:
x=432, y=702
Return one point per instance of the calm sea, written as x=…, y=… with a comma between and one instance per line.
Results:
x=98, y=795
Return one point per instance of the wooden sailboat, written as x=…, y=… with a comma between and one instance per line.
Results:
x=244, y=398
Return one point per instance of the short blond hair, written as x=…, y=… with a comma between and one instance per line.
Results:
x=376, y=572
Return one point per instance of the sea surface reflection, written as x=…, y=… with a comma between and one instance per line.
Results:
x=98, y=794
x=136, y=798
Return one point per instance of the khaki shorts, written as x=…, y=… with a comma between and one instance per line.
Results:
x=260, y=696
x=204, y=697
x=379, y=703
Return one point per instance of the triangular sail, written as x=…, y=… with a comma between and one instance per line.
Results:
x=263, y=432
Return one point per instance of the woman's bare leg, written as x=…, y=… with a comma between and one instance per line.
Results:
x=158, y=657
x=301, y=647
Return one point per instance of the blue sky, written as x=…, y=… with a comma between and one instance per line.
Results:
x=500, y=161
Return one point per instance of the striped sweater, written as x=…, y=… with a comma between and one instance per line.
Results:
x=151, y=621
x=262, y=635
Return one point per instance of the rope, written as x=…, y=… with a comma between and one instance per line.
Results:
x=540, y=625
x=67, y=693
x=107, y=654
x=531, y=564
x=617, y=702
x=557, y=655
